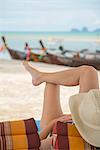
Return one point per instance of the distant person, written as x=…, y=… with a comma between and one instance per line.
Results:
x=77, y=55
x=27, y=51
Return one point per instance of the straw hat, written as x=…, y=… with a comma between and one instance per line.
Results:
x=85, y=110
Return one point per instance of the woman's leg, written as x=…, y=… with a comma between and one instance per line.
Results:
x=85, y=76
x=51, y=110
x=88, y=79
x=51, y=106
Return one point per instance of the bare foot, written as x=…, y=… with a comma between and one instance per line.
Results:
x=36, y=75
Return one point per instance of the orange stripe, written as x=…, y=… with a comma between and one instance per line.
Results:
x=20, y=142
x=17, y=127
x=72, y=131
x=76, y=143
x=75, y=140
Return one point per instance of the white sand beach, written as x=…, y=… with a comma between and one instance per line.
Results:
x=19, y=98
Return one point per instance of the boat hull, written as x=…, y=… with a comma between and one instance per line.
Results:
x=16, y=54
x=73, y=62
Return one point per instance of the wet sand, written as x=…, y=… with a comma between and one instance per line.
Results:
x=19, y=98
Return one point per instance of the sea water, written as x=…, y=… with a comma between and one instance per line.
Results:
x=52, y=40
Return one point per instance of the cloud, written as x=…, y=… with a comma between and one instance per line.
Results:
x=49, y=14
x=97, y=22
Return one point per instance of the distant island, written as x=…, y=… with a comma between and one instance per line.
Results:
x=72, y=30
x=84, y=29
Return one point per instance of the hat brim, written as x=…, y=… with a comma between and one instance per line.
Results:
x=88, y=134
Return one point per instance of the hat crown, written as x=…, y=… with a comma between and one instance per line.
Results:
x=89, y=109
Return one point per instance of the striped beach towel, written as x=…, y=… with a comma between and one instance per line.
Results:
x=15, y=135
x=67, y=137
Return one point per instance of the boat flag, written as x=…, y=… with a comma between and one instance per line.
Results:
x=1, y=48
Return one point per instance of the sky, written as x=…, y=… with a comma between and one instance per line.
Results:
x=49, y=15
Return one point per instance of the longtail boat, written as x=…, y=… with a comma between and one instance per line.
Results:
x=52, y=55
x=74, y=58
x=60, y=57
x=16, y=54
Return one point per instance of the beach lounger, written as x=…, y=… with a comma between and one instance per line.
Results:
x=23, y=135
x=67, y=137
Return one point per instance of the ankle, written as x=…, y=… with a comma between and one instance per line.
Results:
x=43, y=77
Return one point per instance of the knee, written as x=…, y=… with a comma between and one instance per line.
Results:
x=90, y=70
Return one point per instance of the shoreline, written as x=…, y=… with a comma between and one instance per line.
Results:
x=53, y=38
